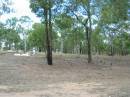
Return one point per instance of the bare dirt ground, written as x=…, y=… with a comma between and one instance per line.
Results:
x=70, y=76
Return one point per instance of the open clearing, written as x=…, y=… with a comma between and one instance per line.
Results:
x=70, y=76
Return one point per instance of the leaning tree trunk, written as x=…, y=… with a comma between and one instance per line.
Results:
x=48, y=40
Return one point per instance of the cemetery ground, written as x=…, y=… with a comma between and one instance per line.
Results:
x=70, y=76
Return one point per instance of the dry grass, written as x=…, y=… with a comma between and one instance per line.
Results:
x=70, y=76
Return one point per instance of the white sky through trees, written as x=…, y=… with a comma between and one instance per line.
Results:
x=21, y=8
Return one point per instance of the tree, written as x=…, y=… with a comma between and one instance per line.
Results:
x=64, y=25
x=26, y=21
x=45, y=5
x=111, y=20
x=44, y=8
x=99, y=45
x=85, y=5
x=10, y=37
x=37, y=37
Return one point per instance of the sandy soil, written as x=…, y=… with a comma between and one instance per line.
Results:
x=70, y=76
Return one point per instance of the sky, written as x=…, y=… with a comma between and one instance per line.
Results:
x=21, y=8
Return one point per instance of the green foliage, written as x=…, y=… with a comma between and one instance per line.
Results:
x=107, y=15
x=38, y=6
x=98, y=40
x=74, y=19
x=114, y=11
x=37, y=36
x=82, y=1
x=120, y=9
x=73, y=40
x=65, y=23
x=9, y=36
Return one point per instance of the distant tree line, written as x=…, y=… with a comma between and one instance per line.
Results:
x=74, y=26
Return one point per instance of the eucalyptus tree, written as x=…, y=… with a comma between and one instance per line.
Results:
x=25, y=22
x=74, y=41
x=64, y=25
x=10, y=34
x=20, y=26
x=11, y=39
x=36, y=37
x=113, y=14
x=82, y=11
x=122, y=8
x=43, y=8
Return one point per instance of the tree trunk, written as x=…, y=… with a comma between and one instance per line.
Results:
x=62, y=45
x=88, y=44
x=89, y=31
x=48, y=38
x=111, y=44
x=25, y=45
x=50, y=35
